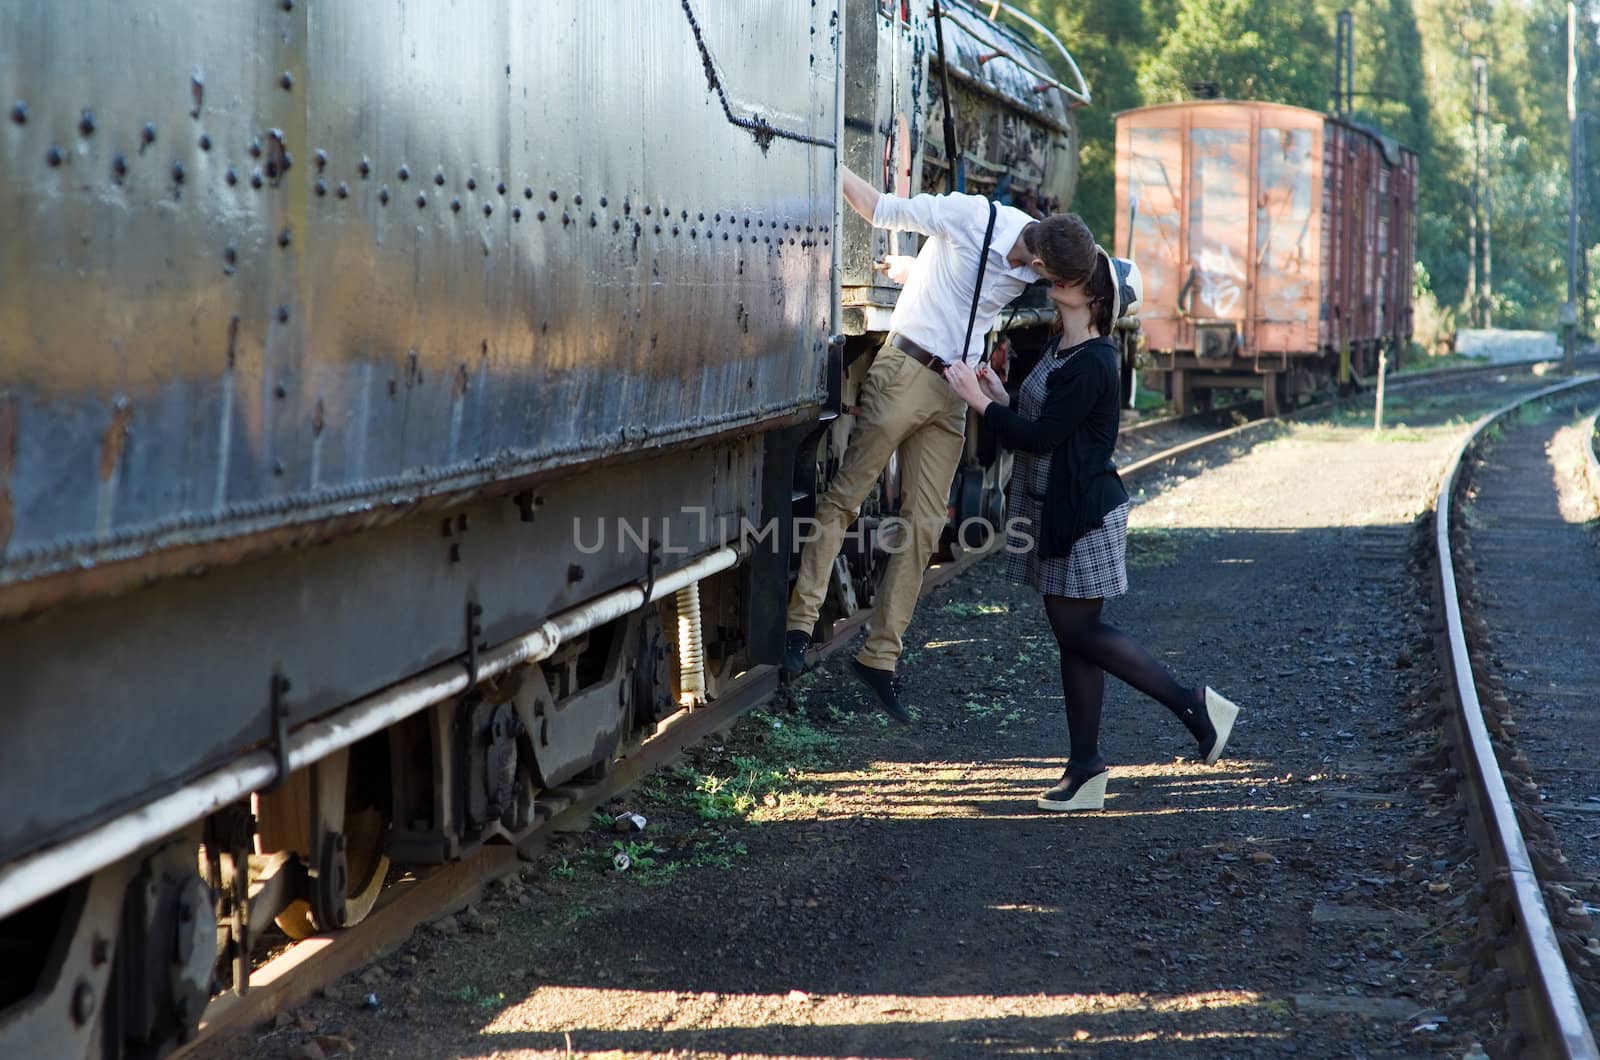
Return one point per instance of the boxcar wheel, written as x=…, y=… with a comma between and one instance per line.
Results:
x=333, y=815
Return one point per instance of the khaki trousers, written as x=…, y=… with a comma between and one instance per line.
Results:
x=905, y=406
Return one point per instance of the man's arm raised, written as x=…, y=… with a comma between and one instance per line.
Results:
x=862, y=197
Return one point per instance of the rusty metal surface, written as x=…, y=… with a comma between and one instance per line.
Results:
x=183, y=669
x=1015, y=132
x=270, y=263
x=886, y=74
x=1296, y=228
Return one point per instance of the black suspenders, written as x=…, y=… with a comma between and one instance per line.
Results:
x=977, y=289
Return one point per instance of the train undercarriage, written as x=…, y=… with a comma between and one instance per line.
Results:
x=1285, y=381
x=297, y=832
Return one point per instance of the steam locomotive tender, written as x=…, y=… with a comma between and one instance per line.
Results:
x=401, y=411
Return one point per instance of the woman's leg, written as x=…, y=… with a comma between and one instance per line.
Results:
x=1080, y=632
x=1083, y=688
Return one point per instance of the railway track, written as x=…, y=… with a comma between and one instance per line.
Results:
x=1508, y=536
x=1163, y=439
x=299, y=971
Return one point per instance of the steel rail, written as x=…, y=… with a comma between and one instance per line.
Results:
x=1553, y=998
x=1467, y=371
x=31, y=878
x=1407, y=381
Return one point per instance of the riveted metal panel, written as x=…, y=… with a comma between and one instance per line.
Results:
x=149, y=688
x=271, y=265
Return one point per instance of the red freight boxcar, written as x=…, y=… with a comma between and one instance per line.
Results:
x=1276, y=244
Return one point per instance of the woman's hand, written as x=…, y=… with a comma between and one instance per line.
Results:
x=989, y=380
x=896, y=266
x=962, y=380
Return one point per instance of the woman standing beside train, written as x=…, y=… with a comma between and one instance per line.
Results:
x=1067, y=498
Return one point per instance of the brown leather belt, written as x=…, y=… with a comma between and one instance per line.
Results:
x=915, y=352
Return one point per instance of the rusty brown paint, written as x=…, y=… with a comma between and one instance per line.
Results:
x=223, y=548
x=115, y=439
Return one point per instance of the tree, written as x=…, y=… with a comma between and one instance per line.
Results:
x=1107, y=41
x=1412, y=79
x=1249, y=49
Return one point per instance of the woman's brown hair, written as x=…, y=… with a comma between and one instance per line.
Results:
x=1067, y=248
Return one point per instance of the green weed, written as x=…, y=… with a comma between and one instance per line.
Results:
x=717, y=853
x=639, y=853
x=793, y=741
x=470, y=995
x=983, y=710
x=966, y=610
x=1150, y=547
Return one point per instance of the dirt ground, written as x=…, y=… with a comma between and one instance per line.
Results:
x=816, y=883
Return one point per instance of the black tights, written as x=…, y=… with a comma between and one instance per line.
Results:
x=1090, y=649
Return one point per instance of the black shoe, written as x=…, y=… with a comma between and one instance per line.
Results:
x=794, y=652
x=882, y=684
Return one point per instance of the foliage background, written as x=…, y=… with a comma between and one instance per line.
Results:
x=1412, y=80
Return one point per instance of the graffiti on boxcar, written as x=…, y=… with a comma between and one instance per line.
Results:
x=1219, y=219
x=1284, y=262
x=1218, y=277
x=1155, y=239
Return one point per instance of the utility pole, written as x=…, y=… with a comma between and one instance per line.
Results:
x=1342, y=36
x=1349, y=61
x=1569, y=311
x=1474, y=297
x=1487, y=198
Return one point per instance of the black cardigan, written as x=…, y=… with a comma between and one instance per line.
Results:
x=1078, y=425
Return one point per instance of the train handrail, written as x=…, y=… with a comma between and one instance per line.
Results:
x=1082, y=95
x=36, y=875
x=1047, y=80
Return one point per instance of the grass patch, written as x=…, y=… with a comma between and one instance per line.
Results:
x=1534, y=413
x=717, y=852
x=1151, y=547
x=750, y=790
x=1002, y=715
x=1413, y=362
x=794, y=742
x=1399, y=433
x=1148, y=400
x=471, y=995
x=965, y=610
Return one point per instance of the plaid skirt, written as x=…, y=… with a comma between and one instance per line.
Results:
x=1096, y=569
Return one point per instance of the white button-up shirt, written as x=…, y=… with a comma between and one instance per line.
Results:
x=932, y=310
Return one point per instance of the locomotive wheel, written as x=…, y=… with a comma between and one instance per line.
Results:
x=330, y=799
